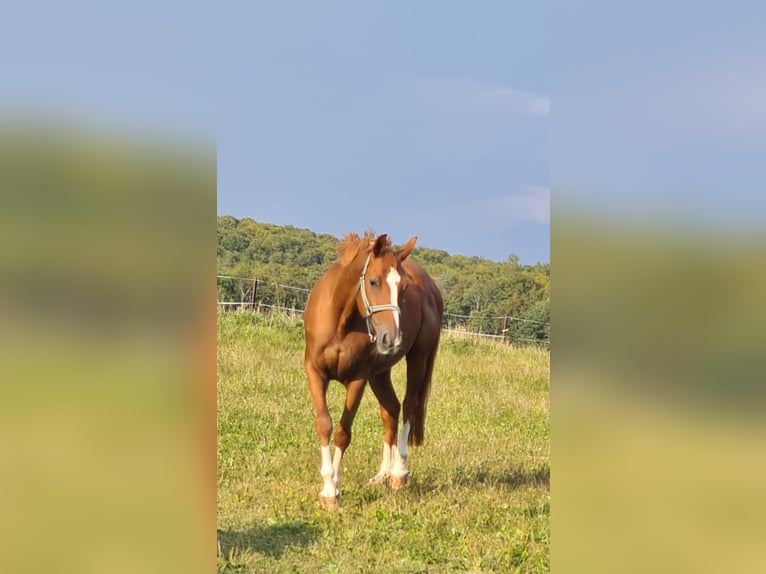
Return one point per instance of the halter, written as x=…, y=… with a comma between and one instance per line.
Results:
x=370, y=309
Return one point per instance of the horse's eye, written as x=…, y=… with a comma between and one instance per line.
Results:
x=374, y=282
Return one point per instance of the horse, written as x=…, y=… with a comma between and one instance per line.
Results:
x=372, y=307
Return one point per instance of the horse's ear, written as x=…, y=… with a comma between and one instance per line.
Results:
x=407, y=249
x=380, y=243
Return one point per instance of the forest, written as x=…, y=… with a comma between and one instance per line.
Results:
x=503, y=298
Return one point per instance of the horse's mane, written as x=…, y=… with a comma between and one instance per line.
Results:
x=351, y=244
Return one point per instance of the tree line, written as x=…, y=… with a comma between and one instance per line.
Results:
x=479, y=294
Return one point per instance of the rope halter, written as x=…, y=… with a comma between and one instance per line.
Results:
x=370, y=309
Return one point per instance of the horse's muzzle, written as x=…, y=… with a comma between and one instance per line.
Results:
x=387, y=342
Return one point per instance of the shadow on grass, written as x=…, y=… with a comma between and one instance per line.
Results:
x=477, y=476
x=514, y=478
x=271, y=540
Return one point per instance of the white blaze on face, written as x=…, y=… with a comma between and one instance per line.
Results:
x=393, y=280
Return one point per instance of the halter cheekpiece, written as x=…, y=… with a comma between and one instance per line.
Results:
x=370, y=309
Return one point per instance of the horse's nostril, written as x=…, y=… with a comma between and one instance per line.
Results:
x=385, y=339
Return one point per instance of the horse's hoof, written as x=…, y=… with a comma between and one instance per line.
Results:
x=397, y=482
x=377, y=479
x=328, y=502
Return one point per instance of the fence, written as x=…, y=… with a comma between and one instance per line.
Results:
x=270, y=296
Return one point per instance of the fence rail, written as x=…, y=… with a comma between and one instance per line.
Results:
x=269, y=296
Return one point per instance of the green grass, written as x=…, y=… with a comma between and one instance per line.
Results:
x=478, y=497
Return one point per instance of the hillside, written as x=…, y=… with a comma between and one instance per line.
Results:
x=478, y=293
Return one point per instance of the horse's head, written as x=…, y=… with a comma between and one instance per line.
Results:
x=381, y=282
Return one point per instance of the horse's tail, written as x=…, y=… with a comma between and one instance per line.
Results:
x=418, y=419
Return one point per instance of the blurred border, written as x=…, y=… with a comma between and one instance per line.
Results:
x=108, y=350
x=107, y=287
x=659, y=305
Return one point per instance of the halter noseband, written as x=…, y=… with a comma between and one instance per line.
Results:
x=370, y=309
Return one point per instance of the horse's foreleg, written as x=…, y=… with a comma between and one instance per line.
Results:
x=354, y=392
x=323, y=423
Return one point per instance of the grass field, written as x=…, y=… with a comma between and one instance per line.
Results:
x=478, y=497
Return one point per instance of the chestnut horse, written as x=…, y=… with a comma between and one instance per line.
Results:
x=370, y=309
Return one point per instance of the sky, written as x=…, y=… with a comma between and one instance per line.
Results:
x=418, y=118
x=660, y=113
x=425, y=118
x=138, y=67
x=408, y=118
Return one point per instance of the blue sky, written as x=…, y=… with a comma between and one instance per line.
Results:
x=418, y=118
x=410, y=118
x=141, y=67
x=660, y=112
x=427, y=118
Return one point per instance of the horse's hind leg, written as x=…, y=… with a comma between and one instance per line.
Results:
x=389, y=413
x=419, y=371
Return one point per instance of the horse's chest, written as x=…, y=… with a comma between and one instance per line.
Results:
x=343, y=365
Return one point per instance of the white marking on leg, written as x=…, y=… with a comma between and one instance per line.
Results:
x=385, y=466
x=400, y=452
x=393, y=280
x=329, y=490
x=403, y=438
x=336, y=465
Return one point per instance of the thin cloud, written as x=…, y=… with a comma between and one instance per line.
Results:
x=455, y=95
x=713, y=102
x=530, y=204
x=527, y=204
x=722, y=99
